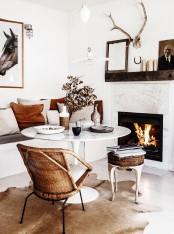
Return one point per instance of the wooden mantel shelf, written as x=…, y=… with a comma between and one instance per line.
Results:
x=139, y=76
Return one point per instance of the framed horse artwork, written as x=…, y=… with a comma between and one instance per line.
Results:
x=11, y=54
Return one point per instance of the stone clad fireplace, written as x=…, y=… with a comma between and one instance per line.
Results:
x=146, y=130
x=148, y=98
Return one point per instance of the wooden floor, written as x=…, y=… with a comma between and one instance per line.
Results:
x=157, y=187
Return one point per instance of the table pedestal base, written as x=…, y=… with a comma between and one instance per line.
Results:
x=88, y=195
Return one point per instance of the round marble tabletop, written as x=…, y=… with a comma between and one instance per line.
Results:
x=67, y=135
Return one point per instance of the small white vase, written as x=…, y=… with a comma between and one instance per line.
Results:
x=64, y=118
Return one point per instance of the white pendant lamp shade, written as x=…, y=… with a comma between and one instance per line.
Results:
x=90, y=58
x=85, y=13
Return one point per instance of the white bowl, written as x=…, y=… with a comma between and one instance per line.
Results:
x=49, y=129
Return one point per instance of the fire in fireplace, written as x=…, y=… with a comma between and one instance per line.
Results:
x=146, y=130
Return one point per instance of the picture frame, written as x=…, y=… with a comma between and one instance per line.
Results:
x=166, y=49
x=117, y=52
x=11, y=54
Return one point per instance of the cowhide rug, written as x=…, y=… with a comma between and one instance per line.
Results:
x=122, y=216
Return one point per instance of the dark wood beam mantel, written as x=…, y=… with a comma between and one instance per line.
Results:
x=139, y=76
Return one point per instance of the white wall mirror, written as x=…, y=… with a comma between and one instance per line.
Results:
x=117, y=52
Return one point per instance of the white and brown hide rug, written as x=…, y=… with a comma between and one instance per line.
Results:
x=122, y=216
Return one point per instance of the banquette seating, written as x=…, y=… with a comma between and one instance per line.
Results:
x=27, y=114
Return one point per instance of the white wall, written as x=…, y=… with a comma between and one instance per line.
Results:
x=96, y=32
x=129, y=16
x=45, y=55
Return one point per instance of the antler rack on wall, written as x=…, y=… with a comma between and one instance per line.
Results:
x=137, y=39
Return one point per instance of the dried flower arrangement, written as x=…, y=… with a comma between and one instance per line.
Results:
x=77, y=97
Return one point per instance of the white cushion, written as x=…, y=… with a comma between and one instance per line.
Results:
x=60, y=107
x=46, y=104
x=53, y=117
x=77, y=171
x=85, y=113
x=8, y=123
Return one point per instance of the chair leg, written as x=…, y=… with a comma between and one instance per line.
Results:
x=112, y=176
x=24, y=207
x=63, y=215
x=83, y=208
x=138, y=170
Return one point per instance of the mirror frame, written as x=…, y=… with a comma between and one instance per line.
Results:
x=126, y=55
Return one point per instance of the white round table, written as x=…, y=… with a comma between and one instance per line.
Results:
x=88, y=194
x=85, y=136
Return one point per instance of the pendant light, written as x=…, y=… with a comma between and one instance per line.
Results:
x=84, y=13
x=90, y=59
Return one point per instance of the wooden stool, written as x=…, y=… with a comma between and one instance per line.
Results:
x=124, y=163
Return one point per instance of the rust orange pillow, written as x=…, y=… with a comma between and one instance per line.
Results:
x=53, y=104
x=28, y=115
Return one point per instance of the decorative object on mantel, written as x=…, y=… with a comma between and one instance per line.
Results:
x=90, y=58
x=78, y=97
x=143, y=65
x=135, y=60
x=155, y=65
x=64, y=118
x=166, y=56
x=137, y=39
x=95, y=116
x=11, y=58
x=150, y=65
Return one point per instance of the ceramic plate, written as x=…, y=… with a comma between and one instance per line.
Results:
x=101, y=129
x=49, y=129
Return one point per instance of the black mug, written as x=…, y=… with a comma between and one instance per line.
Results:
x=76, y=131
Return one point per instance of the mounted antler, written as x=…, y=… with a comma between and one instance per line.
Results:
x=116, y=27
x=136, y=40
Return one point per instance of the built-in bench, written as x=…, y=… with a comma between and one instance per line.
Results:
x=11, y=162
x=16, y=137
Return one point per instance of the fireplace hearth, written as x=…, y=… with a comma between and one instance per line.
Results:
x=146, y=130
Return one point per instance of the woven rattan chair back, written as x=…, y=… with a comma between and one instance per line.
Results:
x=50, y=171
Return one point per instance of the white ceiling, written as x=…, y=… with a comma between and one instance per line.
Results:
x=67, y=5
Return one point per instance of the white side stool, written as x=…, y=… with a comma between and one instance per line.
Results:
x=124, y=163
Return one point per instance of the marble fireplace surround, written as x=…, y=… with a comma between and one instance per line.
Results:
x=148, y=97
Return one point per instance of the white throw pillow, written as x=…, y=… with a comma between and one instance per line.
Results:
x=60, y=107
x=46, y=104
x=8, y=123
x=85, y=113
x=53, y=117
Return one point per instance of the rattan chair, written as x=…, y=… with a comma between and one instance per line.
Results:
x=51, y=174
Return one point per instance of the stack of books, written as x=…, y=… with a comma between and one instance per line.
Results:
x=127, y=150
